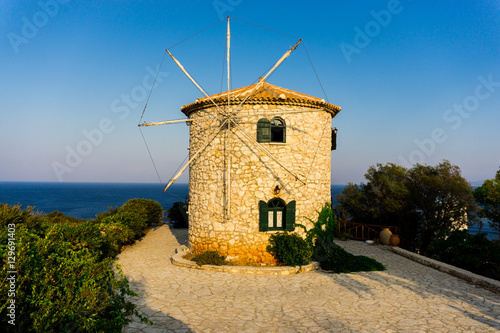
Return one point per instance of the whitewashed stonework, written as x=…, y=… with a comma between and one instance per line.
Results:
x=253, y=173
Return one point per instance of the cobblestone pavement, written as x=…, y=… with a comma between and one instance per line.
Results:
x=407, y=297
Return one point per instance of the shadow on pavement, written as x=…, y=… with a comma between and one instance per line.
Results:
x=162, y=322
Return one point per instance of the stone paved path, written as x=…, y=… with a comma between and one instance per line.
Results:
x=407, y=297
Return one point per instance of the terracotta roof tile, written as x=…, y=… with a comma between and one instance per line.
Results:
x=267, y=94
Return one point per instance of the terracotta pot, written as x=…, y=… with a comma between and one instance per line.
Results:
x=385, y=235
x=394, y=240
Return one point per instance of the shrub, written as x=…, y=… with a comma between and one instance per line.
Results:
x=111, y=211
x=331, y=256
x=60, y=218
x=210, y=258
x=63, y=284
x=474, y=253
x=424, y=202
x=289, y=249
x=324, y=228
x=345, y=236
x=14, y=214
x=334, y=258
x=151, y=210
x=86, y=235
x=134, y=221
x=175, y=215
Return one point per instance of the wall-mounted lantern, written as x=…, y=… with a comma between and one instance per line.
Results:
x=334, y=138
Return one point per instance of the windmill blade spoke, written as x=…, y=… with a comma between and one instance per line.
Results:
x=174, y=121
x=194, y=81
x=261, y=82
x=195, y=156
x=249, y=137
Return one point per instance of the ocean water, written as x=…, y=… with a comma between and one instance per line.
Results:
x=85, y=200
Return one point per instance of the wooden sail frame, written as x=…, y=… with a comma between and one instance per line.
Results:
x=228, y=122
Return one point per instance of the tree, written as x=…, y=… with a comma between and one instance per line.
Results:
x=384, y=200
x=444, y=200
x=424, y=202
x=488, y=197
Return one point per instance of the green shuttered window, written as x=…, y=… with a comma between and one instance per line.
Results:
x=273, y=130
x=263, y=130
x=276, y=215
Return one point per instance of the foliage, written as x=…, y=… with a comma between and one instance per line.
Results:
x=325, y=228
x=444, y=199
x=474, y=253
x=331, y=256
x=136, y=222
x=58, y=217
x=289, y=249
x=150, y=210
x=424, y=202
x=384, y=199
x=65, y=276
x=488, y=197
x=83, y=236
x=210, y=258
x=111, y=211
x=334, y=258
x=175, y=215
x=346, y=235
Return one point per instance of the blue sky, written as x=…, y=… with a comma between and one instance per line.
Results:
x=418, y=81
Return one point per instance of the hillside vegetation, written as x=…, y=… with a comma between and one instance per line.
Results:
x=60, y=270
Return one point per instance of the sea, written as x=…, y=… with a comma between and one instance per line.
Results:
x=86, y=200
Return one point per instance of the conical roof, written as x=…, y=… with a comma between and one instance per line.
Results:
x=267, y=94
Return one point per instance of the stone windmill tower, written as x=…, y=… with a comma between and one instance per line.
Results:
x=259, y=162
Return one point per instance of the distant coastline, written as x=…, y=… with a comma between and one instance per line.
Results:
x=85, y=200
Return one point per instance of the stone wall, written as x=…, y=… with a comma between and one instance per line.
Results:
x=254, y=175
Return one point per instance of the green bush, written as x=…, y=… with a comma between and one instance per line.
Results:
x=175, y=215
x=151, y=210
x=334, y=258
x=331, y=256
x=63, y=284
x=85, y=235
x=346, y=235
x=289, y=249
x=60, y=218
x=474, y=253
x=21, y=217
x=324, y=228
x=109, y=212
x=210, y=258
x=134, y=221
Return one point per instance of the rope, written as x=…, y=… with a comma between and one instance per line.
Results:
x=156, y=170
x=317, y=77
x=150, y=156
x=316, y=152
x=264, y=28
x=152, y=87
x=199, y=32
x=145, y=106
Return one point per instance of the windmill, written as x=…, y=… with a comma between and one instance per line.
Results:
x=236, y=150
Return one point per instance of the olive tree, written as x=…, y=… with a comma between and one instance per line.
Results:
x=424, y=202
x=443, y=198
x=488, y=197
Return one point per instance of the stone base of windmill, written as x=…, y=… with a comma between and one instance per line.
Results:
x=243, y=253
x=178, y=259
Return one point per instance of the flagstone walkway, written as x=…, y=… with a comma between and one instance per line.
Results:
x=407, y=297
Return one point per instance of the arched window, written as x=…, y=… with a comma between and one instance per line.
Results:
x=276, y=215
x=271, y=131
